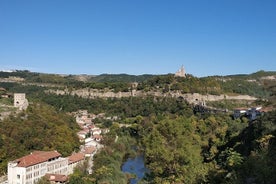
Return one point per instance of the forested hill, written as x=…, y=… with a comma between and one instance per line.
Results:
x=67, y=79
x=29, y=76
x=41, y=127
x=260, y=84
x=120, y=78
x=179, y=144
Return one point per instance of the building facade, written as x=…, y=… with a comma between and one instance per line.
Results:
x=29, y=169
x=74, y=160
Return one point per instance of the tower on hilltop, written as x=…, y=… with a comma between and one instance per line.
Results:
x=20, y=101
x=180, y=72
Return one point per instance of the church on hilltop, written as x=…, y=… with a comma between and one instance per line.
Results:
x=181, y=72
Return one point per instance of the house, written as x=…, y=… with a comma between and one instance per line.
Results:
x=56, y=178
x=97, y=137
x=238, y=112
x=90, y=142
x=89, y=151
x=74, y=160
x=96, y=131
x=82, y=134
x=30, y=168
x=253, y=112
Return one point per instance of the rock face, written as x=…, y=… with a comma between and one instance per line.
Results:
x=193, y=98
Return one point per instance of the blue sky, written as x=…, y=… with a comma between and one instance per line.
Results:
x=208, y=37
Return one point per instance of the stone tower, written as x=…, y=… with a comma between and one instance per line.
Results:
x=180, y=72
x=20, y=101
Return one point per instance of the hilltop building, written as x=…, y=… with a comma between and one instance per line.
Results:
x=20, y=101
x=181, y=72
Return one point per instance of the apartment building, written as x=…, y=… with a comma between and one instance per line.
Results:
x=30, y=168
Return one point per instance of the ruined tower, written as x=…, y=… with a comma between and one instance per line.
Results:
x=20, y=101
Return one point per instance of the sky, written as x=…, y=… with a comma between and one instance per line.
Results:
x=207, y=37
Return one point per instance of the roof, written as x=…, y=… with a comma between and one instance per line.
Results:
x=36, y=157
x=97, y=136
x=56, y=177
x=76, y=157
x=89, y=150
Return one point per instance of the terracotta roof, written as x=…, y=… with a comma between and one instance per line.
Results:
x=36, y=157
x=89, y=150
x=56, y=177
x=76, y=157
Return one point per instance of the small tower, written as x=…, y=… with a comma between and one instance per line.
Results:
x=20, y=101
x=180, y=72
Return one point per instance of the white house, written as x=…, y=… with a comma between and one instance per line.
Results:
x=29, y=169
x=74, y=160
x=96, y=131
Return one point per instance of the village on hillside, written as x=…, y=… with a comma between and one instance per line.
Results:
x=30, y=168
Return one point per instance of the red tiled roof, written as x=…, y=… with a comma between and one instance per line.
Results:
x=89, y=150
x=36, y=157
x=76, y=157
x=56, y=177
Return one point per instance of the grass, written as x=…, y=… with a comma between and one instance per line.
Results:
x=6, y=105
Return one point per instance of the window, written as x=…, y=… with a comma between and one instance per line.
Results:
x=18, y=176
x=29, y=169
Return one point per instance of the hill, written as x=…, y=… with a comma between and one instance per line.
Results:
x=260, y=84
x=41, y=127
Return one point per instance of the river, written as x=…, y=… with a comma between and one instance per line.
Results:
x=135, y=166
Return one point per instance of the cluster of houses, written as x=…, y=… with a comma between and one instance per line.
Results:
x=30, y=168
x=89, y=131
x=251, y=113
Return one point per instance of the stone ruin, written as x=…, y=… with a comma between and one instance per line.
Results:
x=20, y=101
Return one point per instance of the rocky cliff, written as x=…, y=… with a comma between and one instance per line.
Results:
x=190, y=97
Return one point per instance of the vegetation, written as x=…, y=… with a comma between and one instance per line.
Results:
x=38, y=128
x=178, y=145
x=123, y=107
x=107, y=163
x=215, y=149
x=252, y=84
x=231, y=104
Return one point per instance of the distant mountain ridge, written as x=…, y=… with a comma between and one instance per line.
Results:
x=54, y=78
